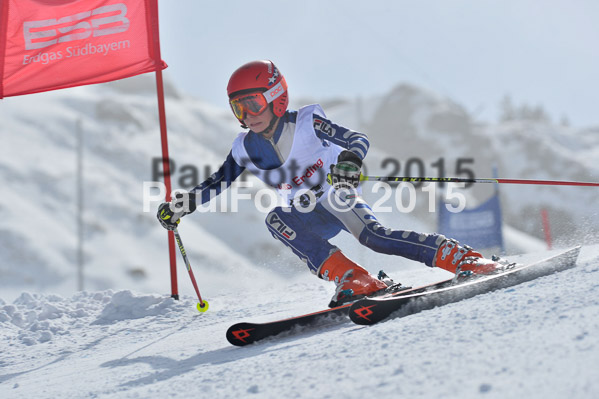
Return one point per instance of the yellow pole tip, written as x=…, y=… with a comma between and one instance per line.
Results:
x=202, y=306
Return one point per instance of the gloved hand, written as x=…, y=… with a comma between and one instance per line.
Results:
x=346, y=173
x=170, y=213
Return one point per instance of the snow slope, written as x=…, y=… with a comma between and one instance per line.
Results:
x=536, y=340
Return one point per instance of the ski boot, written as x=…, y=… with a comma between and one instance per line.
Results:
x=353, y=281
x=462, y=260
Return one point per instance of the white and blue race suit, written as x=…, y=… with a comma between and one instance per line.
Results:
x=295, y=161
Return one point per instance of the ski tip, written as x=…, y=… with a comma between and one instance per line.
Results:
x=572, y=254
x=241, y=334
x=368, y=311
x=575, y=250
x=569, y=255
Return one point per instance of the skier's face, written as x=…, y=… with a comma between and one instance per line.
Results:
x=259, y=123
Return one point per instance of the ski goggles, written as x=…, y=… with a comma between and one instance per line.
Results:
x=253, y=104
x=256, y=103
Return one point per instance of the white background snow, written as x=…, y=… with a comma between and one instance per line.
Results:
x=124, y=337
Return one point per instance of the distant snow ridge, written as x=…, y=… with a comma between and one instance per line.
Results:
x=33, y=319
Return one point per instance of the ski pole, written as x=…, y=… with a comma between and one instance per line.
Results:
x=468, y=180
x=202, y=306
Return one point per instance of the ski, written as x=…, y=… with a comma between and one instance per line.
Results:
x=419, y=298
x=372, y=310
x=245, y=333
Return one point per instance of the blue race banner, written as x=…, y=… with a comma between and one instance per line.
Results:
x=479, y=227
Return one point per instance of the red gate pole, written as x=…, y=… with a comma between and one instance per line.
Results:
x=153, y=15
x=546, y=228
x=166, y=167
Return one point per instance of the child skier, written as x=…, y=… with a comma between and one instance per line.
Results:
x=299, y=147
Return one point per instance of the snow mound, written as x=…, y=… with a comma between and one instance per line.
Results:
x=125, y=305
x=33, y=319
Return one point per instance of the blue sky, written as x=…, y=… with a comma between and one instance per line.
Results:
x=475, y=52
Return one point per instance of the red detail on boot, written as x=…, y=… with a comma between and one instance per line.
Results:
x=451, y=254
x=479, y=265
x=360, y=281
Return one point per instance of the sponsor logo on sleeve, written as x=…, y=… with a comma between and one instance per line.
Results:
x=324, y=127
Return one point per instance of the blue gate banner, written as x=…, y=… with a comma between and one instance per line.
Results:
x=478, y=227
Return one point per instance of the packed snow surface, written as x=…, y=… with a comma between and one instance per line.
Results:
x=535, y=340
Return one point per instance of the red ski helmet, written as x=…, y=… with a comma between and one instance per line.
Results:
x=263, y=77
